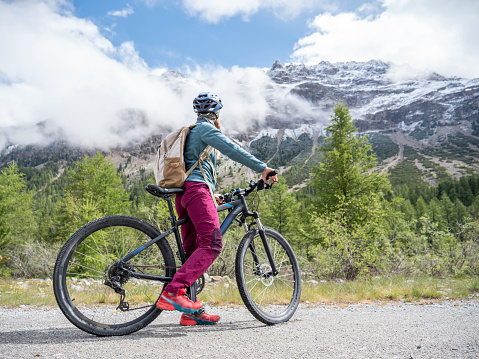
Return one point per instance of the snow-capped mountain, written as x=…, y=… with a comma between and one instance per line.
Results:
x=424, y=118
x=382, y=96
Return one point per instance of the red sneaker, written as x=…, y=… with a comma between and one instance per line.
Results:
x=179, y=302
x=200, y=318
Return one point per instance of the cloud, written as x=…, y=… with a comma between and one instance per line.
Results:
x=58, y=70
x=249, y=96
x=122, y=13
x=59, y=77
x=214, y=11
x=437, y=35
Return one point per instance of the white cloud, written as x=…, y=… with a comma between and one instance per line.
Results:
x=437, y=35
x=122, y=13
x=59, y=69
x=60, y=76
x=248, y=94
x=214, y=11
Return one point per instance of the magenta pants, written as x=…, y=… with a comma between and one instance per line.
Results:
x=202, y=240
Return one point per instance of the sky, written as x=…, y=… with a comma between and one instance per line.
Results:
x=93, y=71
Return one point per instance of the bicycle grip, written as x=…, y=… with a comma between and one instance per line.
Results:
x=272, y=173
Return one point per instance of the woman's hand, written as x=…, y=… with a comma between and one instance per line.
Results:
x=219, y=199
x=266, y=172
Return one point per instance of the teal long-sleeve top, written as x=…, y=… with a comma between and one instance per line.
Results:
x=206, y=134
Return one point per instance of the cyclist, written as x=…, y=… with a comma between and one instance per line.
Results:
x=202, y=239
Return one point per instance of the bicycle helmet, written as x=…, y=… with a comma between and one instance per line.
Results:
x=207, y=102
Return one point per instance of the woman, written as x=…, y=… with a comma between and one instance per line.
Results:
x=202, y=238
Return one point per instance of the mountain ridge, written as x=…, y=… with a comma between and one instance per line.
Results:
x=434, y=116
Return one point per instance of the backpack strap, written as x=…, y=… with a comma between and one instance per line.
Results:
x=209, y=185
x=205, y=155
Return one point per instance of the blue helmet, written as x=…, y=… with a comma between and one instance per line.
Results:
x=207, y=102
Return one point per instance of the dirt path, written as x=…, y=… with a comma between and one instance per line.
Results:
x=393, y=161
x=440, y=330
x=59, y=174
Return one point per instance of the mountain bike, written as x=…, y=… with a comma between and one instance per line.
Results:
x=110, y=273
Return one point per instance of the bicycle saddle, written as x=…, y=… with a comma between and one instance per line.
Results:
x=162, y=191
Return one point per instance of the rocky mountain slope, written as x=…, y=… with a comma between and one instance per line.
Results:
x=426, y=121
x=380, y=99
x=422, y=125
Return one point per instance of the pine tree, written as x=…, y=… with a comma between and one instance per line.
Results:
x=3, y=222
x=17, y=225
x=348, y=202
x=345, y=181
x=95, y=190
x=279, y=212
x=422, y=208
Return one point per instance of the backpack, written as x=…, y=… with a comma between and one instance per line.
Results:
x=170, y=171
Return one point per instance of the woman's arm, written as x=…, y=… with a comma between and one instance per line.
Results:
x=216, y=139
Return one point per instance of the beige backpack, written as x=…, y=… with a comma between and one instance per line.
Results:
x=170, y=171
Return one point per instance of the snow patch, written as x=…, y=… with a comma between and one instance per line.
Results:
x=402, y=125
x=312, y=130
x=269, y=132
x=7, y=150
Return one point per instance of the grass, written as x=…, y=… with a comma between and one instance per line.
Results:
x=15, y=292
x=396, y=288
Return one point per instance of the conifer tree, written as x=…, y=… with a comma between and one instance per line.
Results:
x=281, y=208
x=95, y=190
x=348, y=200
x=17, y=225
x=3, y=221
x=346, y=181
x=422, y=209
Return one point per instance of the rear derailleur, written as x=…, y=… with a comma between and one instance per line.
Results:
x=115, y=277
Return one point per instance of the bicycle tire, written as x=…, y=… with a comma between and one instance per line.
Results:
x=271, y=299
x=86, y=262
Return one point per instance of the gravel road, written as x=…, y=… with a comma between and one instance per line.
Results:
x=438, y=330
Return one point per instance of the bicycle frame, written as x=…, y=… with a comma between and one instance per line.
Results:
x=235, y=208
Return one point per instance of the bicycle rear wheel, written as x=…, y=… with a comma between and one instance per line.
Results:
x=86, y=276
x=270, y=298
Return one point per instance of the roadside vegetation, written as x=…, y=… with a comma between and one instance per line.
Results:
x=16, y=292
x=360, y=235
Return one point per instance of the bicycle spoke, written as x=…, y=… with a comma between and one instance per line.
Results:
x=263, y=293
x=132, y=243
x=108, y=300
x=93, y=249
x=81, y=274
x=104, y=243
x=86, y=267
x=270, y=298
x=90, y=257
x=98, y=250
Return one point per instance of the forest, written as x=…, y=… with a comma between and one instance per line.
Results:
x=348, y=222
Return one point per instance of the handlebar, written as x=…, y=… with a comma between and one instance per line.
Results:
x=258, y=185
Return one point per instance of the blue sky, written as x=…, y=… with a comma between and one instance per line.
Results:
x=166, y=35
x=85, y=68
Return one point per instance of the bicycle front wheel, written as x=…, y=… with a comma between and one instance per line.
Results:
x=270, y=298
x=94, y=292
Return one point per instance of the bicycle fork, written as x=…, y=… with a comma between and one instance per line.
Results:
x=267, y=249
